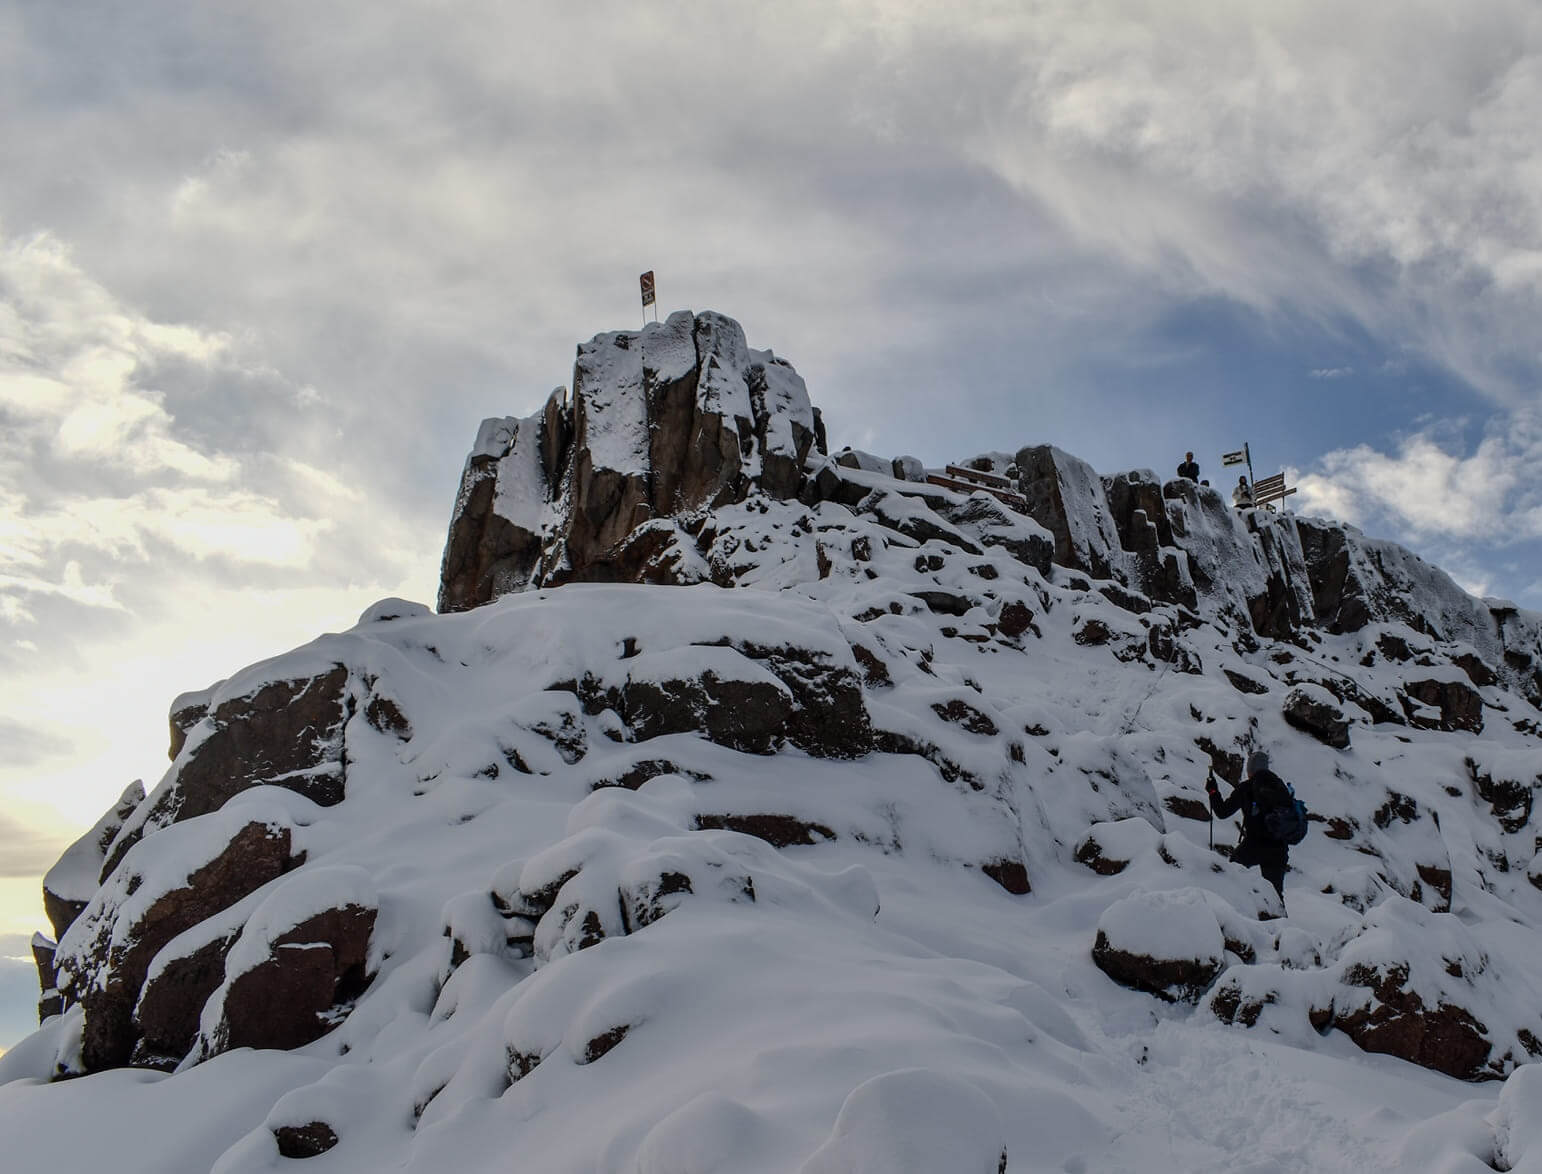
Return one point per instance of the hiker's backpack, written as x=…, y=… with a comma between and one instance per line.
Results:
x=1283, y=815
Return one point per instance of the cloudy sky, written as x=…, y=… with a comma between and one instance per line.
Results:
x=263, y=268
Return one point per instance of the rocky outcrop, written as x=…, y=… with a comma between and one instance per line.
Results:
x=71, y=882
x=1314, y=710
x=1392, y=1019
x=282, y=999
x=1358, y=580
x=1166, y=944
x=165, y=887
x=50, y=1002
x=1443, y=705
x=288, y=733
x=1066, y=497
x=665, y=422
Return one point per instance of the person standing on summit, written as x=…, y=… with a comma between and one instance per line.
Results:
x=1189, y=468
x=1272, y=820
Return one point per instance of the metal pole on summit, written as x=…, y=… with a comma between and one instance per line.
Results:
x=1246, y=452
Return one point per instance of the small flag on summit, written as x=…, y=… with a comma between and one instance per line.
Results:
x=646, y=281
x=1233, y=458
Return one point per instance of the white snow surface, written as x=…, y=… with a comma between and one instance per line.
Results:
x=870, y=1000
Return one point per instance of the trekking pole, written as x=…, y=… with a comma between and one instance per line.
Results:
x=1209, y=811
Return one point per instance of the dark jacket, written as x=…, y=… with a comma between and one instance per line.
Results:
x=1257, y=845
x=1189, y=469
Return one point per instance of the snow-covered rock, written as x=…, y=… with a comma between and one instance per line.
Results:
x=1168, y=944
x=853, y=824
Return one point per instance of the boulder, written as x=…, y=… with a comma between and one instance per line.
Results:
x=1418, y=985
x=730, y=702
x=753, y=698
x=1313, y=710
x=299, y=962
x=496, y=539
x=167, y=885
x=1167, y=944
x=1451, y=705
x=1066, y=497
x=288, y=733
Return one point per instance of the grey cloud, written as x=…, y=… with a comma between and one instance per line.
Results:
x=908, y=199
x=24, y=745
x=18, y=999
x=24, y=852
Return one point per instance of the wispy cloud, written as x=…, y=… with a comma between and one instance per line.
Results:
x=1330, y=372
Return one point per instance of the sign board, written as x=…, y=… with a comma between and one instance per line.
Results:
x=1267, y=485
x=646, y=281
x=1233, y=458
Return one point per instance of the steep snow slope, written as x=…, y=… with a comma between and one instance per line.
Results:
x=828, y=857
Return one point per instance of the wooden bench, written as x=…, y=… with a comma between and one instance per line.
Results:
x=1015, y=500
x=981, y=477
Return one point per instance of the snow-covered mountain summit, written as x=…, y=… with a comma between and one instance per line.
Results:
x=753, y=808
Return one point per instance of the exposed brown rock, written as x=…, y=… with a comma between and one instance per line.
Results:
x=281, y=1002
x=1460, y=706
x=749, y=715
x=780, y=831
x=69, y=885
x=50, y=1002
x=1317, y=716
x=1171, y=979
x=1066, y=497
x=181, y=720
x=1090, y=852
x=304, y=1141
x=710, y=422
x=961, y=713
x=172, y=1001
x=109, y=971
x=288, y=733
x=1395, y=1021
x=1012, y=875
x=1509, y=799
x=604, y=1042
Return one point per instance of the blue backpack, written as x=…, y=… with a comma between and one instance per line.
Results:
x=1284, y=816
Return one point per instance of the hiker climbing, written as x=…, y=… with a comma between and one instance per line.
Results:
x=1272, y=819
x=1189, y=468
x=1242, y=496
